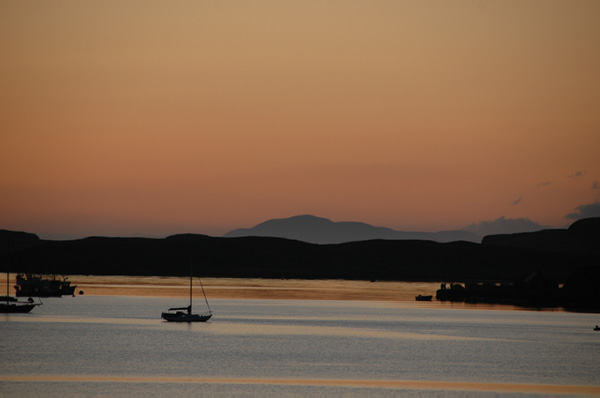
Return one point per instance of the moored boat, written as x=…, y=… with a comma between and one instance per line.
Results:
x=32, y=285
x=10, y=305
x=15, y=307
x=184, y=314
x=423, y=298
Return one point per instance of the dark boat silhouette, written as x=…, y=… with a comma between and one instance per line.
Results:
x=423, y=298
x=32, y=285
x=10, y=305
x=184, y=314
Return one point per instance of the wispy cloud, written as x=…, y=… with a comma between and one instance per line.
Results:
x=516, y=202
x=577, y=174
x=585, y=211
x=544, y=184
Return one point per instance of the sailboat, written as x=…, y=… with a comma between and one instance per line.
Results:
x=184, y=314
x=10, y=305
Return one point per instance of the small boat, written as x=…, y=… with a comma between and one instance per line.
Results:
x=423, y=298
x=16, y=307
x=31, y=285
x=184, y=314
x=10, y=305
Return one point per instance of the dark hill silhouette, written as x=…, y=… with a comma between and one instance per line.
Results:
x=311, y=229
x=582, y=236
x=499, y=257
x=15, y=240
x=570, y=256
x=586, y=227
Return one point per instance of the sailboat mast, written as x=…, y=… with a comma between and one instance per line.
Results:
x=190, y=285
x=7, y=265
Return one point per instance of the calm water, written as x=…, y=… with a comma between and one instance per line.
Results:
x=95, y=345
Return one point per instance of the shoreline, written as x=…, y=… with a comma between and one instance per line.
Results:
x=399, y=293
x=274, y=289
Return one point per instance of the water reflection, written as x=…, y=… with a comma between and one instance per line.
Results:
x=289, y=330
x=254, y=328
x=118, y=344
x=390, y=384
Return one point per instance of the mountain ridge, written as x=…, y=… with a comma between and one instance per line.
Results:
x=557, y=252
x=312, y=229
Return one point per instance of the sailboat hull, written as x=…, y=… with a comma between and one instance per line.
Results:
x=184, y=317
x=8, y=308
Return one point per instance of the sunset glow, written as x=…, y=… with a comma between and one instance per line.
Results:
x=152, y=118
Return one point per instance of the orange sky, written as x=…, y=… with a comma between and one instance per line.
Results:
x=151, y=118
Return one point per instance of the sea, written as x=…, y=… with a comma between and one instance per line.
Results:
x=100, y=346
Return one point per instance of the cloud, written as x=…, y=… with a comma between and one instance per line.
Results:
x=585, y=211
x=516, y=202
x=504, y=226
x=577, y=174
x=596, y=185
x=543, y=184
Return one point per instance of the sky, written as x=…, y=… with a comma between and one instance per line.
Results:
x=150, y=118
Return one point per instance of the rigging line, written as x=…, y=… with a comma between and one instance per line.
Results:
x=204, y=293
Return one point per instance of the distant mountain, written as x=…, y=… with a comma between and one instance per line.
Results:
x=504, y=225
x=311, y=229
x=571, y=254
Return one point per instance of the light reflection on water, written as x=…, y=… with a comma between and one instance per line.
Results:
x=116, y=344
x=390, y=384
x=241, y=328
